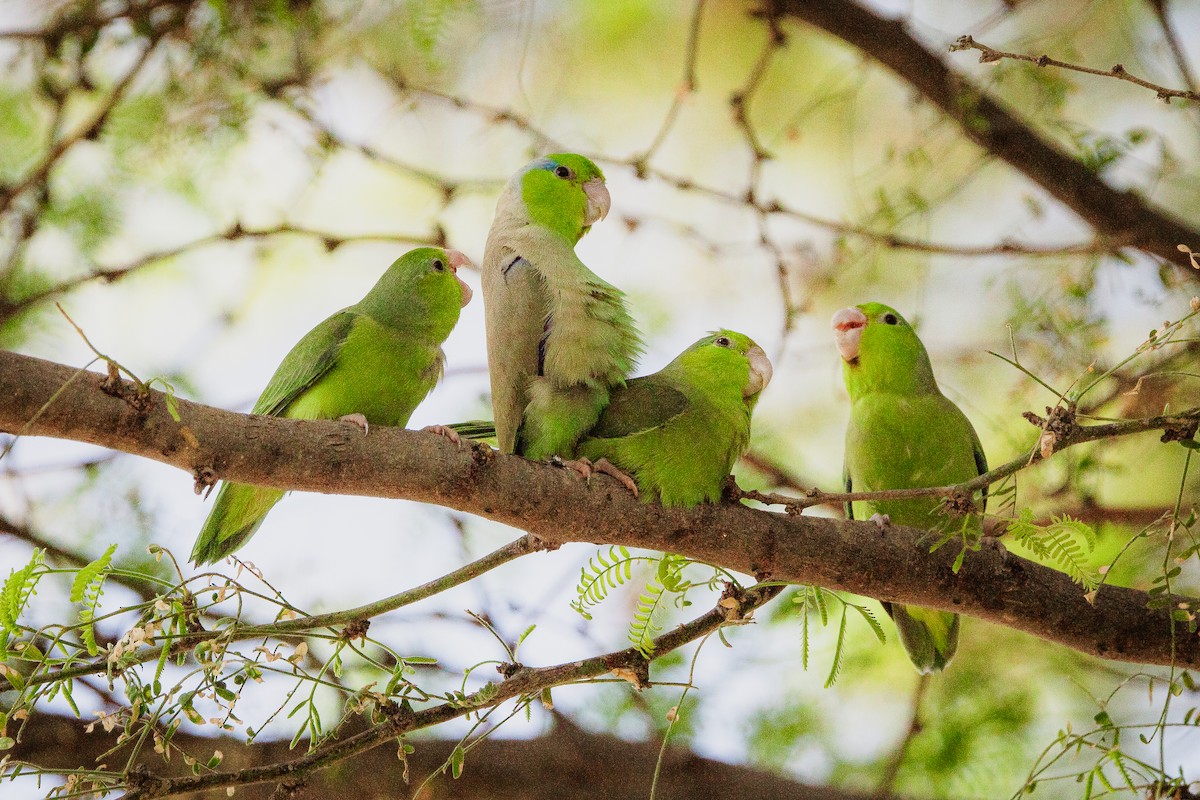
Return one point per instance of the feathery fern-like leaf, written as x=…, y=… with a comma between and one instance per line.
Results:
x=18, y=588
x=871, y=620
x=814, y=599
x=1065, y=541
x=667, y=579
x=601, y=575
x=839, y=652
x=642, y=627
x=87, y=588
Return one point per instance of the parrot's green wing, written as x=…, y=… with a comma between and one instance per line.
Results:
x=240, y=508
x=373, y=362
x=679, y=431
x=981, y=465
x=643, y=405
x=313, y=356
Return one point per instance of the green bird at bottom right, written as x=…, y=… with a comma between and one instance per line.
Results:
x=903, y=433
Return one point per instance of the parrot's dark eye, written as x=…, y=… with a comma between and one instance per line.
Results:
x=722, y=341
x=562, y=172
x=439, y=265
x=891, y=319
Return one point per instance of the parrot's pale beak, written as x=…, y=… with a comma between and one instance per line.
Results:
x=457, y=260
x=598, y=201
x=760, y=371
x=847, y=327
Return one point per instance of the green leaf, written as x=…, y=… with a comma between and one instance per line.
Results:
x=804, y=628
x=601, y=575
x=1064, y=540
x=87, y=588
x=89, y=573
x=457, y=759
x=642, y=628
x=68, y=687
x=297, y=737
x=17, y=590
x=839, y=652
x=870, y=619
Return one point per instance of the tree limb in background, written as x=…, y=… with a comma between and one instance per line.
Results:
x=644, y=170
x=1123, y=217
x=564, y=762
x=232, y=233
x=521, y=683
x=45, y=399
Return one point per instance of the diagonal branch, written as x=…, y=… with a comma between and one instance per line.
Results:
x=1172, y=37
x=89, y=129
x=1123, y=217
x=46, y=399
x=988, y=55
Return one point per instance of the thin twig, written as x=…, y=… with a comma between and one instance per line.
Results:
x=1005, y=247
x=233, y=233
x=988, y=55
x=523, y=682
x=1079, y=435
x=448, y=186
x=73, y=22
x=515, y=549
x=687, y=86
x=887, y=784
x=1173, y=44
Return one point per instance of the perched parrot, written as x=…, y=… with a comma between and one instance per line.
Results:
x=559, y=337
x=371, y=363
x=903, y=434
x=679, y=431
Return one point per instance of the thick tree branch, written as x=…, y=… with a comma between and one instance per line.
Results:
x=1123, y=217
x=46, y=399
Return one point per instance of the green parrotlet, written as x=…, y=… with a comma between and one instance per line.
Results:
x=679, y=431
x=903, y=433
x=370, y=364
x=559, y=337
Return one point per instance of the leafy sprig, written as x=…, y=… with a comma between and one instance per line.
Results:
x=813, y=600
x=1064, y=541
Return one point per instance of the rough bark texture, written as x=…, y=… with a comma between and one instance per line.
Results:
x=334, y=457
x=1123, y=217
x=566, y=762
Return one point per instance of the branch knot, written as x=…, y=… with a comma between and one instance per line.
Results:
x=1180, y=430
